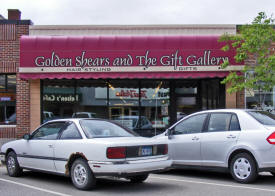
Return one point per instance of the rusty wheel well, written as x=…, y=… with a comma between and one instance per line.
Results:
x=72, y=158
x=241, y=151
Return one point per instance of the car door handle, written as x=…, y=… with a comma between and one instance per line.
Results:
x=231, y=136
x=195, y=138
x=50, y=145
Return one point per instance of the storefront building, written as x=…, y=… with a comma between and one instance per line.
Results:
x=144, y=82
x=144, y=77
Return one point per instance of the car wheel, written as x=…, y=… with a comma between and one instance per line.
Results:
x=13, y=168
x=243, y=168
x=139, y=178
x=82, y=176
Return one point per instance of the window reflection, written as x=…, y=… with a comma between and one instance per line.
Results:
x=7, y=99
x=154, y=104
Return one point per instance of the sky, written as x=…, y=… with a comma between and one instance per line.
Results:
x=138, y=12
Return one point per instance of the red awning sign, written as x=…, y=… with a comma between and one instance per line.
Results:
x=124, y=57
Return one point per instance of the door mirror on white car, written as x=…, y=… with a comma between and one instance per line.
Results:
x=26, y=136
x=169, y=133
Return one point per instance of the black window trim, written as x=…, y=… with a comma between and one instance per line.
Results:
x=33, y=133
x=64, y=128
x=205, y=130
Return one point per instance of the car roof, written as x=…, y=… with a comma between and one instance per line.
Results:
x=75, y=119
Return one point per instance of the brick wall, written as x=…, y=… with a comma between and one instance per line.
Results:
x=9, y=62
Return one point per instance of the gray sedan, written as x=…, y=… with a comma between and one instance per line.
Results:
x=239, y=141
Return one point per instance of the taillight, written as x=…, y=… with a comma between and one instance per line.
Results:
x=165, y=149
x=271, y=138
x=116, y=152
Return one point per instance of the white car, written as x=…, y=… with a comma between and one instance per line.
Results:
x=85, y=149
x=241, y=142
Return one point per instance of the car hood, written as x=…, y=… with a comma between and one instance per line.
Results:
x=126, y=141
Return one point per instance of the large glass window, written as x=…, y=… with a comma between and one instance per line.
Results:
x=74, y=99
x=154, y=98
x=124, y=103
x=7, y=99
x=145, y=106
x=261, y=100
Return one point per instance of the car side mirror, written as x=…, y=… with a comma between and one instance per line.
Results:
x=26, y=136
x=169, y=133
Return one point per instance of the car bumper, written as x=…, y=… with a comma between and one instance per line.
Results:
x=130, y=167
x=2, y=158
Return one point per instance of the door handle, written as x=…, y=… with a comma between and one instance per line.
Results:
x=50, y=145
x=195, y=138
x=231, y=136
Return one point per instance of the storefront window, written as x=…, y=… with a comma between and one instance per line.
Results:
x=124, y=103
x=187, y=98
x=258, y=99
x=147, y=107
x=93, y=103
x=155, y=100
x=74, y=99
x=7, y=99
x=212, y=94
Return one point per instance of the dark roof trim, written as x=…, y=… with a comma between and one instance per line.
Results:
x=17, y=22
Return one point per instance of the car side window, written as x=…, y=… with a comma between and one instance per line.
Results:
x=234, y=124
x=70, y=132
x=48, y=132
x=193, y=124
x=219, y=122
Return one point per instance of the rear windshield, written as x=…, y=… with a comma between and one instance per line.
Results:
x=263, y=117
x=101, y=128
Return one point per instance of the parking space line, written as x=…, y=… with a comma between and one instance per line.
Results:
x=215, y=184
x=33, y=187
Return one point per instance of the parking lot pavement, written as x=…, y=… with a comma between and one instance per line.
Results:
x=175, y=182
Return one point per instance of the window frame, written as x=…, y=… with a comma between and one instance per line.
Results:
x=228, y=128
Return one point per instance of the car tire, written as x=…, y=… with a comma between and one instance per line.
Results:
x=82, y=175
x=13, y=167
x=243, y=168
x=138, y=178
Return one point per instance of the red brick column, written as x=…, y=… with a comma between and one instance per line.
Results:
x=22, y=107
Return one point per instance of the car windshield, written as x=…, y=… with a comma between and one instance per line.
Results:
x=263, y=117
x=101, y=128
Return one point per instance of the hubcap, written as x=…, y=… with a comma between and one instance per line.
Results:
x=242, y=168
x=11, y=164
x=80, y=174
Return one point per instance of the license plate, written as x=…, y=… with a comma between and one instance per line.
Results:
x=146, y=151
